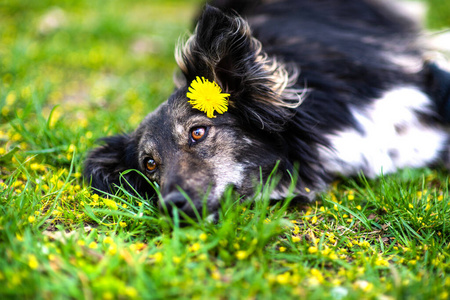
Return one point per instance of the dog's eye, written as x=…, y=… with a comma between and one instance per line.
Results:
x=150, y=164
x=198, y=133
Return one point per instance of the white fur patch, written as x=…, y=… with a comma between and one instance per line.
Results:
x=228, y=173
x=392, y=137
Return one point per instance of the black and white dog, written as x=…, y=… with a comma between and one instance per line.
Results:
x=321, y=88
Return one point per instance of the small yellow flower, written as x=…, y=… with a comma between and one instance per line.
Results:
x=312, y=249
x=283, y=278
x=31, y=219
x=108, y=240
x=112, y=250
x=176, y=260
x=241, y=254
x=93, y=245
x=123, y=224
x=110, y=203
x=363, y=285
x=33, y=262
x=296, y=239
x=157, y=256
x=203, y=237
x=282, y=249
x=131, y=292
x=207, y=97
x=194, y=247
x=317, y=275
x=216, y=275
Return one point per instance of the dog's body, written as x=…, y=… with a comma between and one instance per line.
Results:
x=323, y=88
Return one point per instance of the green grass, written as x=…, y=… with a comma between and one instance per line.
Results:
x=75, y=71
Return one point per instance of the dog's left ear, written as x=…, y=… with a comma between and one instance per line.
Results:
x=104, y=165
x=223, y=49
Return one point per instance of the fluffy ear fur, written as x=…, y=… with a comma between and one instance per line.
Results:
x=105, y=163
x=223, y=49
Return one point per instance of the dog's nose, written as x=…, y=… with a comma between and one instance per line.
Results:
x=175, y=199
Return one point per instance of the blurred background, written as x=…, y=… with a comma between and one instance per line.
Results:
x=73, y=71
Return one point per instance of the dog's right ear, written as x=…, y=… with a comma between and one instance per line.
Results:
x=223, y=49
x=104, y=165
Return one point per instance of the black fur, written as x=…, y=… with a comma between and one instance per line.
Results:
x=439, y=88
x=339, y=51
x=105, y=164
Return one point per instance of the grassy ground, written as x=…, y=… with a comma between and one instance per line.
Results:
x=74, y=71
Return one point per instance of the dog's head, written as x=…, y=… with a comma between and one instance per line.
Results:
x=188, y=154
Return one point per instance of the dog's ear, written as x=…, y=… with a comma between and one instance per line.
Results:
x=104, y=165
x=223, y=49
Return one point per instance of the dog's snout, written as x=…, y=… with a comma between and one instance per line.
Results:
x=175, y=199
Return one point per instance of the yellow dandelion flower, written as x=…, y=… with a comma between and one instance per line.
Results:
x=207, y=97
x=93, y=245
x=282, y=249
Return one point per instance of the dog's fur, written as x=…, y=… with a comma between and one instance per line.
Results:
x=323, y=87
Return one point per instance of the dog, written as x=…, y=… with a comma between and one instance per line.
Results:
x=314, y=89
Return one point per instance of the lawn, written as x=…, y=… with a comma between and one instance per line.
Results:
x=74, y=71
